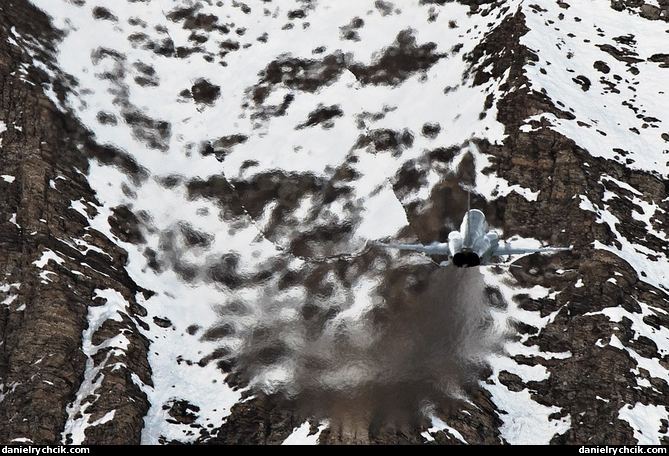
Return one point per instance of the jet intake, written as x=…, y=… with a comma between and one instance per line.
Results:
x=466, y=259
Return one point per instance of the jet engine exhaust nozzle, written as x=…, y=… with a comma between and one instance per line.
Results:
x=466, y=259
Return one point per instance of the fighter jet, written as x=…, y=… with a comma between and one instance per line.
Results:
x=473, y=245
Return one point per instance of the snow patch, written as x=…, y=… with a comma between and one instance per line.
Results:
x=301, y=436
x=439, y=425
x=78, y=419
x=646, y=421
x=47, y=255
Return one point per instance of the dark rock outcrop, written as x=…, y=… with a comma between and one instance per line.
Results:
x=50, y=266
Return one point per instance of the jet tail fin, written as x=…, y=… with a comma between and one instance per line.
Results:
x=469, y=200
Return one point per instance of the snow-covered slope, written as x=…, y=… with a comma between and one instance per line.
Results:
x=259, y=146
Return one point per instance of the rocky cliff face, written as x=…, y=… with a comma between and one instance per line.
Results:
x=58, y=365
x=189, y=189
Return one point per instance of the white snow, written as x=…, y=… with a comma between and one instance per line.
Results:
x=652, y=365
x=22, y=440
x=364, y=300
x=620, y=184
x=383, y=215
x=652, y=266
x=9, y=299
x=645, y=420
x=10, y=292
x=300, y=435
x=47, y=255
x=566, y=56
x=307, y=149
x=487, y=184
x=525, y=420
x=439, y=425
x=80, y=207
x=106, y=418
x=659, y=336
x=78, y=419
x=84, y=247
x=414, y=102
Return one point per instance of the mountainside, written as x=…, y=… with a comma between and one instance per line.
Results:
x=190, y=189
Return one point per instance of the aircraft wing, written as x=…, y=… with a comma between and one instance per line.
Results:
x=432, y=249
x=508, y=249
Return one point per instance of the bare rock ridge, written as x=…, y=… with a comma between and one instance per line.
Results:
x=51, y=265
x=554, y=165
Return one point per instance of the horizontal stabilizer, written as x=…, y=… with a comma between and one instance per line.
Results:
x=511, y=250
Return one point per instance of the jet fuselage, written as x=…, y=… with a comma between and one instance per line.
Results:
x=473, y=244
